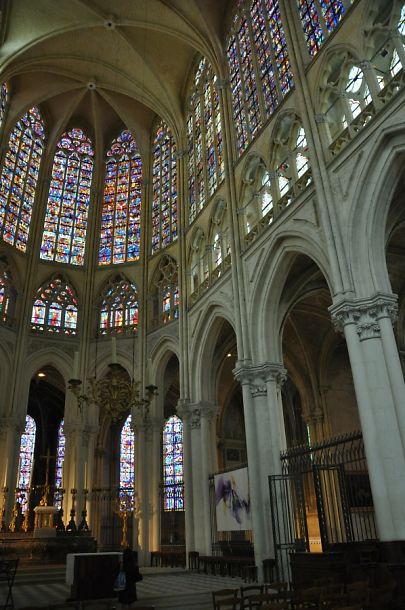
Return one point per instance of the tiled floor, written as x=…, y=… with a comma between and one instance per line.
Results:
x=164, y=589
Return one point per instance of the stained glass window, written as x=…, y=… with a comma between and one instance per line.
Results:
x=164, y=177
x=27, y=446
x=204, y=136
x=55, y=308
x=173, y=481
x=259, y=67
x=65, y=226
x=19, y=178
x=3, y=102
x=166, y=298
x=119, y=309
x=318, y=19
x=4, y=295
x=127, y=461
x=121, y=216
x=60, y=458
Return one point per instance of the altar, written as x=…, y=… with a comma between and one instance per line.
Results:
x=92, y=575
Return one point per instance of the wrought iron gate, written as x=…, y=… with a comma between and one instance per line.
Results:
x=324, y=488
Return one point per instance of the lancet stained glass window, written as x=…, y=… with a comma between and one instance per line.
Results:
x=27, y=446
x=65, y=226
x=164, y=205
x=318, y=19
x=259, y=67
x=55, y=308
x=121, y=217
x=127, y=461
x=19, y=178
x=60, y=457
x=119, y=309
x=173, y=481
x=3, y=102
x=4, y=295
x=204, y=136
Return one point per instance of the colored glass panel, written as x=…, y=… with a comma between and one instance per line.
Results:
x=121, y=216
x=65, y=226
x=60, y=457
x=119, y=308
x=19, y=178
x=204, y=135
x=164, y=186
x=4, y=295
x=3, y=102
x=283, y=66
x=264, y=57
x=127, y=461
x=317, y=25
x=27, y=446
x=55, y=308
x=173, y=481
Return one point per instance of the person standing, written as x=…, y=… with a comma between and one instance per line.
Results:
x=132, y=575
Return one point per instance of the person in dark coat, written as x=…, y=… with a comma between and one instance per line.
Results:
x=132, y=575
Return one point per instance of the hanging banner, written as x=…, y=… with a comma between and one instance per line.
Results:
x=232, y=500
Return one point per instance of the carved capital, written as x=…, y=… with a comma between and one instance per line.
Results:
x=195, y=420
x=365, y=314
x=259, y=375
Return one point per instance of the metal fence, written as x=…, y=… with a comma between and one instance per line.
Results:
x=322, y=498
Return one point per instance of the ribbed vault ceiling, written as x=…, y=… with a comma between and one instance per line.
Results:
x=103, y=63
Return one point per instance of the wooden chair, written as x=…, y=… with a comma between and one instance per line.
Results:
x=226, y=598
x=283, y=605
x=277, y=585
x=247, y=592
x=257, y=601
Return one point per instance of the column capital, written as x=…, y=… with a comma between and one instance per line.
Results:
x=200, y=410
x=365, y=313
x=258, y=375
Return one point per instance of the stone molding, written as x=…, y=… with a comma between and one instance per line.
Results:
x=365, y=314
x=257, y=376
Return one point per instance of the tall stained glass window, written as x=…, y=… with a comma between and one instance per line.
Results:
x=164, y=205
x=4, y=295
x=55, y=308
x=65, y=226
x=173, y=477
x=19, y=178
x=27, y=446
x=121, y=217
x=127, y=461
x=318, y=19
x=60, y=457
x=3, y=102
x=259, y=66
x=119, y=311
x=204, y=136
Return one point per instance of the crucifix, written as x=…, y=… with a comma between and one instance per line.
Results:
x=48, y=457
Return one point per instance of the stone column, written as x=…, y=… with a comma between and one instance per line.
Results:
x=265, y=438
x=201, y=454
x=380, y=392
x=140, y=528
x=10, y=437
x=155, y=478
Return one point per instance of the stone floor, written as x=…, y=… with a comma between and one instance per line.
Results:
x=164, y=588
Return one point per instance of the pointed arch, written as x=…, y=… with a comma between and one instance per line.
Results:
x=19, y=178
x=121, y=216
x=55, y=307
x=65, y=225
x=60, y=458
x=119, y=307
x=165, y=290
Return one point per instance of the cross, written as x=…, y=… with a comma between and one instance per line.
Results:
x=48, y=457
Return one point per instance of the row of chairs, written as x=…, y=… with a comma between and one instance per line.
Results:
x=328, y=596
x=99, y=604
